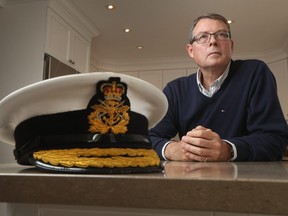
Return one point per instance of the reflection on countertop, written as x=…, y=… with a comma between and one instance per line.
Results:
x=264, y=171
x=199, y=170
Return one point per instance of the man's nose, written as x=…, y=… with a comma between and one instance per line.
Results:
x=212, y=40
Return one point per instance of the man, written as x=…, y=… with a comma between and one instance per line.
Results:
x=227, y=111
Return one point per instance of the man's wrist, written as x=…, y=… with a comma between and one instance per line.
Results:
x=164, y=148
x=233, y=151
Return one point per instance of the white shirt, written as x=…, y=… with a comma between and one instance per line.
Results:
x=215, y=86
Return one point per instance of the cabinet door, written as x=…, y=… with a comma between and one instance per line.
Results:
x=58, y=37
x=80, y=52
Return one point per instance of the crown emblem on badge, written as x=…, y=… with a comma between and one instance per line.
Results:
x=110, y=110
x=112, y=91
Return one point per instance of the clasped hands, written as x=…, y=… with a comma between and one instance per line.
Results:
x=199, y=144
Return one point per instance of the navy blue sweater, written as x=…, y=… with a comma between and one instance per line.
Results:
x=245, y=111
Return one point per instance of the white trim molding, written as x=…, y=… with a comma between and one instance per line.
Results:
x=8, y=2
x=153, y=64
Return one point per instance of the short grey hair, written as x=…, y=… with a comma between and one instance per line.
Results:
x=207, y=16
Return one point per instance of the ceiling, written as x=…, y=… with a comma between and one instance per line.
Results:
x=161, y=27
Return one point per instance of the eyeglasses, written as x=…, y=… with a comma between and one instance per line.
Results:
x=204, y=38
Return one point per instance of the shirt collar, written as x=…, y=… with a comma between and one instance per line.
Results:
x=215, y=86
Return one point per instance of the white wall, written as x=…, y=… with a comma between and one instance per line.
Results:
x=22, y=40
x=280, y=71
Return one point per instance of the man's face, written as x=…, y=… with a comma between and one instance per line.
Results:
x=215, y=53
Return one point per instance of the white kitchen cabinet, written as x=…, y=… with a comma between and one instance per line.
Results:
x=66, y=44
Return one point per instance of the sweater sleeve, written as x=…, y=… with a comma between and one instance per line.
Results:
x=166, y=129
x=267, y=137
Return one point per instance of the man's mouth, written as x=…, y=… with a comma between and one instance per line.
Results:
x=214, y=53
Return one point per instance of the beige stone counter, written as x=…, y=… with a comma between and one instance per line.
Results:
x=260, y=187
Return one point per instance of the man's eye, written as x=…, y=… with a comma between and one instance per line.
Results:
x=202, y=37
x=223, y=34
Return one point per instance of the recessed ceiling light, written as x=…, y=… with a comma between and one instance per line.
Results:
x=110, y=7
x=140, y=47
x=230, y=21
x=126, y=30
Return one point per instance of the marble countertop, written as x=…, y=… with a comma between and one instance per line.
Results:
x=250, y=187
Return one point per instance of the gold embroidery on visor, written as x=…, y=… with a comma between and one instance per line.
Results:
x=99, y=157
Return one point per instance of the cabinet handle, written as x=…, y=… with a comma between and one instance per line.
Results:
x=71, y=61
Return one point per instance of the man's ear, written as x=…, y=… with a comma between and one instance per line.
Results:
x=190, y=50
x=232, y=45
